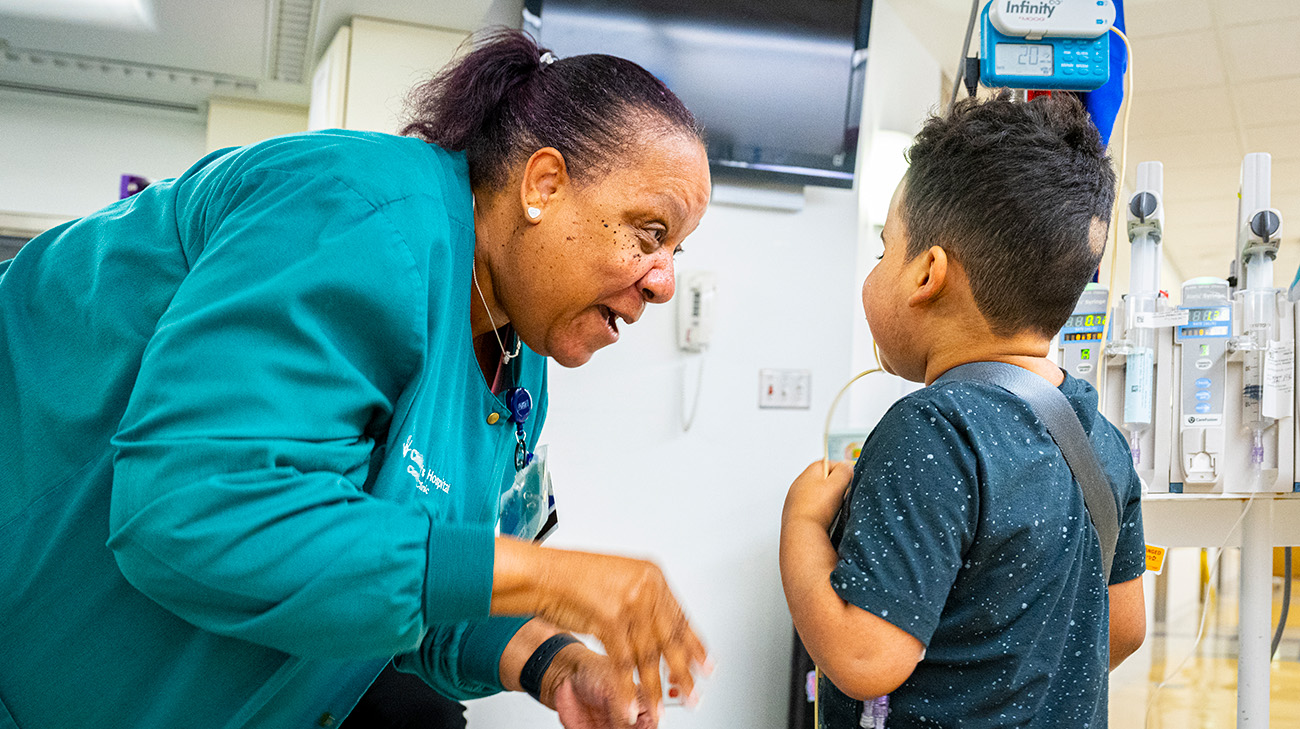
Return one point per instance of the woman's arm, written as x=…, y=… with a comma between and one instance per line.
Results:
x=625, y=603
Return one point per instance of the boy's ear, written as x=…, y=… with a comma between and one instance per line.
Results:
x=931, y=276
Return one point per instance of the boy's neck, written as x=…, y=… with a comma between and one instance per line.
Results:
x=1026, y=350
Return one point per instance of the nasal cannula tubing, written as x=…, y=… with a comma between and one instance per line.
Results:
x=826, y=432
x=826, y=472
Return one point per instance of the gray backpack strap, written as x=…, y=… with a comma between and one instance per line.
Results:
x=1062, y=423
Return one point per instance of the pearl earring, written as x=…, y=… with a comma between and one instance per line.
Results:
x=534, y=213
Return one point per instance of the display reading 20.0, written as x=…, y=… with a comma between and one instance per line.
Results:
x=1024, y=59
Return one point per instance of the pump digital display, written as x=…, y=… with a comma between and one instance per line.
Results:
x=1024, y=59
x=1082, y=337
x=1085, y=321
x=1209, y=321
x=1221, y=313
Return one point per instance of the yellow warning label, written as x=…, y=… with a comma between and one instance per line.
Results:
x=1155, y=558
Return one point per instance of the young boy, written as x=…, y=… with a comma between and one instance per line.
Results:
x=968, y=584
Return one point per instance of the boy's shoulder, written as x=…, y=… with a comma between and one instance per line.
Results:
x=975, y=413
x=959, y=402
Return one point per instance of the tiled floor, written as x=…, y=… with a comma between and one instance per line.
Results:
x=1203, y=694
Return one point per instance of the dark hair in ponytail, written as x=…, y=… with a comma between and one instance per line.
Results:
x=501, y=102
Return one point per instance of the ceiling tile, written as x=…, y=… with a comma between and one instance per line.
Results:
x=1187, y=150
x=1286, y=178
x=1262, y=51
x=1236, y=12
x=1216, y=183
x=1164, y=63
x=1149, y=18
x=1210, y=254
x=1289, y=205
x=1200, y=210
x=1182, y=112
x=1283, y=142
x=1265, y=103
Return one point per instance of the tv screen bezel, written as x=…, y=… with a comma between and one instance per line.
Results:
x=738, y=172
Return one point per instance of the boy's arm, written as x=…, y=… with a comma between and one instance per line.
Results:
x=1128, y=613
x=1128, y=620
x=863, y=655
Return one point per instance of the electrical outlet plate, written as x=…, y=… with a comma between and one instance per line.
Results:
x=785, y=389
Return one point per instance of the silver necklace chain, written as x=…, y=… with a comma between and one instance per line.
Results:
x=505, y=356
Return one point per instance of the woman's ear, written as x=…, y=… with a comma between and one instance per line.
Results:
x=544, y=179
x=929, y=273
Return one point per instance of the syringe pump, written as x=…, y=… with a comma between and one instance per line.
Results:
x=1201, y=381
x=1137, y=386
x=1079, y=342
x=1261, y=354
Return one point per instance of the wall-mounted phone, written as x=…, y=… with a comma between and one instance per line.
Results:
x=695, y=304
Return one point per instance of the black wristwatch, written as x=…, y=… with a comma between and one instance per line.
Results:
x=530, y=678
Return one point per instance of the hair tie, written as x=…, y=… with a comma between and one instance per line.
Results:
x=547, y=59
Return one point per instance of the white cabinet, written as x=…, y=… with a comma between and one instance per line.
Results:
x=236, y=122
x=369, y=68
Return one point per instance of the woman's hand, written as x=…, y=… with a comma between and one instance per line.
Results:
x=816, y=497
x=582, y=687
x=625, y=603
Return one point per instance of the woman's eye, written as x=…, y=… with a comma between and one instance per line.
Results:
x=653, y=238
x=881, y=257
x=678, y=252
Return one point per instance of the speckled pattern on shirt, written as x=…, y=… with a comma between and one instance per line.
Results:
x=967, y=530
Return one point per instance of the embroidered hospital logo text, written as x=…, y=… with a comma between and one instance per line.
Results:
x=424, y=477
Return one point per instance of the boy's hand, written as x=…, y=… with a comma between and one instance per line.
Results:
x=816, y=497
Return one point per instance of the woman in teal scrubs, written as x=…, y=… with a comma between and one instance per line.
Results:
x=256, y=421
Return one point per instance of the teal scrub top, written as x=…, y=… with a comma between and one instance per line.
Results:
x=245, y=444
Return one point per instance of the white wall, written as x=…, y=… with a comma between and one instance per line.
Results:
x=65, y=156
x=707, y=504
x=903, y=84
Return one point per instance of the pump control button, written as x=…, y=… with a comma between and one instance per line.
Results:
x=1203, y=407
x=1203, y=395
x=1203, y=382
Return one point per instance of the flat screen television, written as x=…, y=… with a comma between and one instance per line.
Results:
x=777, y=84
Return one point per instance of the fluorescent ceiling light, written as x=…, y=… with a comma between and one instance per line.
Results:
x=127, y=14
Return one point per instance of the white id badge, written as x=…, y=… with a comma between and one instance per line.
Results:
x=527, y=508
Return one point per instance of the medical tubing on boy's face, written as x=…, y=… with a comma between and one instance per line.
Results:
x=625, y=603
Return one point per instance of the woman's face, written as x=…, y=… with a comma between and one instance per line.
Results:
x=600, y=250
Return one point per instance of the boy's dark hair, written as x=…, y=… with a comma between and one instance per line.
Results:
x=1011, y=190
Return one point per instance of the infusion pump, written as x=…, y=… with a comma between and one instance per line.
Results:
x=1204, y=391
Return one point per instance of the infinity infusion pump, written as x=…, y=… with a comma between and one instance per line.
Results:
x=1046, y=44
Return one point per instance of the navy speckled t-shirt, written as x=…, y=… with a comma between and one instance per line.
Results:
x=967, y=530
